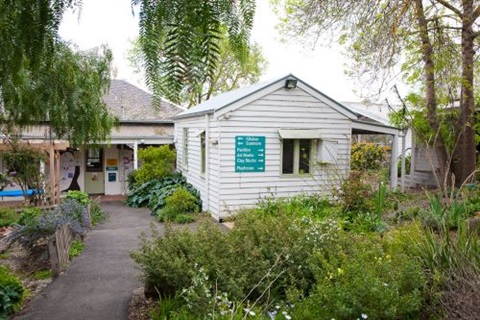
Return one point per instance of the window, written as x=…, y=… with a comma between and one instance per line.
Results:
x=296, y=156
x=94, y=160
x=203, y=151
x=185, y=148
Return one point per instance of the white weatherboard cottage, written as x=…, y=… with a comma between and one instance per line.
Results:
x=277, y=138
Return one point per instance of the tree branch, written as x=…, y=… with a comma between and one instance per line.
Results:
x=476, y=13
x=450, y=7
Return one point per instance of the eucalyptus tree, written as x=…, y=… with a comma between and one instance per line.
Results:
x=229, y=74
x=434, y=42
x=180, y=40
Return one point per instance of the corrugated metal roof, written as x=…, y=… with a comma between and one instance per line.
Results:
x=130, y=103
x=377, y=112
x=227, y=98
x=356, y=111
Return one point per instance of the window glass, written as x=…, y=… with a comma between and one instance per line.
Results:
x=288, y=156
x=94, y=161
x=304, y=155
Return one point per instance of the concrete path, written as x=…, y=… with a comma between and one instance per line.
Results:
x=99, y=283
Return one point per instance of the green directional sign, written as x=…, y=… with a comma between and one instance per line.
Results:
x=250, y=154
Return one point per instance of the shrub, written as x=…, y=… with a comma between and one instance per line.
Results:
x=355, y=194
x=360, y=277
x=97, y=213
x=23, y=166
x=69, y=211
x=153, y=193
x=183, y=218
x=79, y=196
x=132, y=180
x=181, y=202
x=8, y=216
x=158, y=162
x=260, y=253
x=453, y=264
x=76, y=249
x=366, y=156
x=11, y=293
x=29, y=216
x=312, y=206
x=282, y=259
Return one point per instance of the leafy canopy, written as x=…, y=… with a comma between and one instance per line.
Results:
x=230, y=73
x=179, y=39
x=42, y=79
x=66, y=90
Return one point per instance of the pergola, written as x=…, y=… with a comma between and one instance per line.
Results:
x=367, y=127
x=52, y=148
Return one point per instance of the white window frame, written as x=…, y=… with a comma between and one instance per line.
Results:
x=296, y=158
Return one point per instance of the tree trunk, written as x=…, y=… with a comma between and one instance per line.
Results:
x=430, y=94
x=466, y=151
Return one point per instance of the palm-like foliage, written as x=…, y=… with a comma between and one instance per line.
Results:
x=185, y=34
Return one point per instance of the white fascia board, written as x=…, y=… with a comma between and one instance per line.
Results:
x=249, y=99
x=376, y=128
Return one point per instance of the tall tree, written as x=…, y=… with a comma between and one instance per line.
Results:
x=381, y=34
x=229, y=74
x=43, y=80
x=185, y=34
x=29, y=33
x=65, y=92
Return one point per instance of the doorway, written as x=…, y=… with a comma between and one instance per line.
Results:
x=94, y=173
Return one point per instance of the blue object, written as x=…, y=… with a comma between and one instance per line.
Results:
x=18, y=193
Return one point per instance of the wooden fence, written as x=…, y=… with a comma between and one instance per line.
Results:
x=58, y=247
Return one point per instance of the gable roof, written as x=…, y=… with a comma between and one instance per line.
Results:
x=132, y=104
x=226, y=99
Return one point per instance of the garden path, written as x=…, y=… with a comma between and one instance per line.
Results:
x=99, y=283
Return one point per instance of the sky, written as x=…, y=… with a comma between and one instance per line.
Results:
x=112, y=22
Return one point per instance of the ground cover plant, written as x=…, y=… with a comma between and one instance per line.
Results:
x=24, y=249
x=154, y=194
x=12, y=293
x=312, y=258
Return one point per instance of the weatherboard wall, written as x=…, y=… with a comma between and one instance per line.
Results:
x=282, y=109
x=225, y=189
x=207, y=183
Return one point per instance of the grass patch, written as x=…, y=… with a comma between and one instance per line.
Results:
x=42, y=274
x=96, y=212
x=76, y=249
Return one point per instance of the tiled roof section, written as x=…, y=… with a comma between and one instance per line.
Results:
x=130, y=103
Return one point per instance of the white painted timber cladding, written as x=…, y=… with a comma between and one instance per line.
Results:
x=193, y=169
x=293, y=109
x=282, y=109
